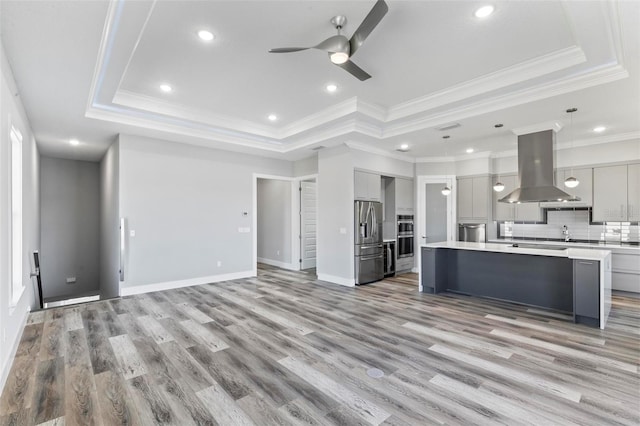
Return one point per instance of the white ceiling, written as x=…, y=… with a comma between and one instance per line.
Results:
x=90, y=70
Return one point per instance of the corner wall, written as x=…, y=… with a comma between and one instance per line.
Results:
x=12, y=318
x=110, y=223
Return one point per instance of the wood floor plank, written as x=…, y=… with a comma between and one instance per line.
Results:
x=127, y=355
x=284, y=348
x=48, y=397
x=116, y=405
x=222, y=407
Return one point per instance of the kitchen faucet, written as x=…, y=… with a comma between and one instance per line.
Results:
x=565, y=232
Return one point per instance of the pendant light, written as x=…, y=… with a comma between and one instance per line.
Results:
x=498, y=186
x=571, y=181
x=446, y=190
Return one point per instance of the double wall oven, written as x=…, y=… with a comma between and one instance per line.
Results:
x=405, y=235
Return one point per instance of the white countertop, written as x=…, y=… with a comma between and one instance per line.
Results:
x=571, y=253
x=597, y=246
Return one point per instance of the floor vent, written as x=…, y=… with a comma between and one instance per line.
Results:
x=376, y=373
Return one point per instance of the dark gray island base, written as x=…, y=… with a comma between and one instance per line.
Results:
x=553, y=282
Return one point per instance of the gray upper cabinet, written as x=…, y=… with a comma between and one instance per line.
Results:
x=610, y=188
x=633, y=192
x=525, y=212
x=404, y=195
x=473, y=198
x=504, y=211
x=367, y=186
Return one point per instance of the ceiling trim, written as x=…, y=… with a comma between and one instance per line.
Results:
x=518, y=73
x=350, y=116
x=384, y=153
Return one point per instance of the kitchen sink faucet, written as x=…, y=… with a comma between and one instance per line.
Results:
x=565, y=232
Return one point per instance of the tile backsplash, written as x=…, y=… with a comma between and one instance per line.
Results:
x=577, y=222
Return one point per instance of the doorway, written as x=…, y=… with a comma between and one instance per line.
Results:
x=308, y=223
x=436, y=212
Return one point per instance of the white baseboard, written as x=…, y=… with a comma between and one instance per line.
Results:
x=277, y=263
x=168, y=285
x=4, y=374
x=348, y=282
x=416, y=270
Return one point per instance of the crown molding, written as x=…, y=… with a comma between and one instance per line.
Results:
x=171, y=109
x=432, y=160
x=554, y=125
x=377, y=151
x=512, y=99
x=527, y=70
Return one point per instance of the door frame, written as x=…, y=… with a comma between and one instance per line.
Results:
x=449, y=180
x=294, y=263
x=296, y=214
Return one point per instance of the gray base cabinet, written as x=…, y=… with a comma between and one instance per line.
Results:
x=586, y=287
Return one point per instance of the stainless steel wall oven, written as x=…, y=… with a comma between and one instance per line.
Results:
x=405, y=236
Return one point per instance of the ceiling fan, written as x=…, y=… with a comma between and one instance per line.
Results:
x=342, y=49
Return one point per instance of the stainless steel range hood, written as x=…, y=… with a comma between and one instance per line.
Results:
x=535, y=171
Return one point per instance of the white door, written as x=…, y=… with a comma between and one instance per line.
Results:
x=307, y=225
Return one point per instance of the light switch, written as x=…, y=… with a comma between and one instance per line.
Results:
x=132, y=233
x=343, y=230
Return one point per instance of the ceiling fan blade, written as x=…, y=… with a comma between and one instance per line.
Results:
x=287, y=49
x=370, y=22
x=336, y=43
x=354, y=70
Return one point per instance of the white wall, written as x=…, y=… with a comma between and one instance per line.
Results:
x=109, y=223
x=306, y=167
x=274, y=222
x=187, y=205
x=70, y=227
x=335, y=213
x=12, y=319
x=436, y=169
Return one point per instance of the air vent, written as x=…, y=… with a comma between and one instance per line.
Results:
x=448, y=126
x=318, y=148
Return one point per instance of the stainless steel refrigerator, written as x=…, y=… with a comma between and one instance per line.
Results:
x=369, y=255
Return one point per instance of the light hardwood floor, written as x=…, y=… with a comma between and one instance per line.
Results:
x=285, y=349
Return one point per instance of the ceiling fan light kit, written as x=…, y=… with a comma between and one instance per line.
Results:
x=339, y=47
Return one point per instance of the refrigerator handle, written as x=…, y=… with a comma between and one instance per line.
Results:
x=363, y=229
x=374, y=223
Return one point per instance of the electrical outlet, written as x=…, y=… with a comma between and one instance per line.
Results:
x=219, y=263
x=278, y=252
x=71, y=280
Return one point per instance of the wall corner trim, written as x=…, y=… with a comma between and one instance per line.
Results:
x=4, y=373
x=348, y=282
x=168, y=285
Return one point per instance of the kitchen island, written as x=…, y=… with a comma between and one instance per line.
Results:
x=570, y=280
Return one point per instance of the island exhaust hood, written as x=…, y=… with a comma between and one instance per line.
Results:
x=535, y=171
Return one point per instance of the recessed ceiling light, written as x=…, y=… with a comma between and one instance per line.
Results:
x=272, y=117
x=205, y=35
x=599, y=129
x=165, y=88
x=331, y=88
x=469, y=150
x=404, y=147
x=74, y=142
x=484, y=11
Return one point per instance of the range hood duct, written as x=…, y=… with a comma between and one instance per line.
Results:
x=535, y=171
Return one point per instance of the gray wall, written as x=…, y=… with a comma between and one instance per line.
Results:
x=109, y=223
x=12, y=318
x=70, y=233
x=186, y=205
x=335, y=211
x=274, y=221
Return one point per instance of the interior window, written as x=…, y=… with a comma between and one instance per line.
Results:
x=17, y=285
